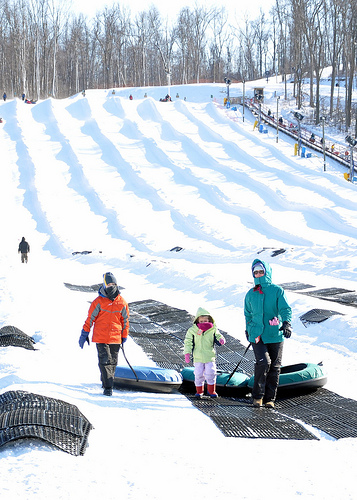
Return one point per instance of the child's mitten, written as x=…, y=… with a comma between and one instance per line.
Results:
x=274, y=321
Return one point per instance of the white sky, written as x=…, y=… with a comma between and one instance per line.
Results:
x=171, y=9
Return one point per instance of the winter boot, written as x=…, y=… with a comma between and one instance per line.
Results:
x=269, y=404
x=258, y=402
x=199, y=392
x=211, y=391
x=108, y=391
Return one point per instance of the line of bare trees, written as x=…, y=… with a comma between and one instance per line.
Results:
x=46, y=50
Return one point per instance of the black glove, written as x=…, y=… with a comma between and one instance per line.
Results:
x=247, y=335
x=286, y=329
x=124, y=339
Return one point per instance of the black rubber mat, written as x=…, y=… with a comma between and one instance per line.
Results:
x=340, y=295
x=238, y=418
x=275, y=251
x=12, y=336
x=35, y=416
x=348, y=299
x=170, y=319
x=325, y=410
x=333, y=294
x=69, y=443
x=86, y=288
x=294, y=286
x=83, y=288
x=27, y=415
x=278, y=252
x=166, y=351
x=327, y=292
x=317, y=316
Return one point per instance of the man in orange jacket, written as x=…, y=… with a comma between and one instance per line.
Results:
x=109, y=313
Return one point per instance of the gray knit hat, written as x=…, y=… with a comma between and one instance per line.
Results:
x=108, y=278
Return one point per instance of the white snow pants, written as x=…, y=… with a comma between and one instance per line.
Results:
x=204, y=371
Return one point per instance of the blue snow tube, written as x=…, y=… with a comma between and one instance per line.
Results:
x=147, y=378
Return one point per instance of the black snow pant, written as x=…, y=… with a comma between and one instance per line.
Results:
x=267, y=369
x=108, y=360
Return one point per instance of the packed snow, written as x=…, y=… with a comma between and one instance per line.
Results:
x=128, y=181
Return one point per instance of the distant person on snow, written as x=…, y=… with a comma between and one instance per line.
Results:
x=24, y=249
x=109, y=313
x=131, y=97
x=267, y=316
x=199, y=340
x=4, y=96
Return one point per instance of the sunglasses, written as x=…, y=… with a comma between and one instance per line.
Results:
x=259, y=272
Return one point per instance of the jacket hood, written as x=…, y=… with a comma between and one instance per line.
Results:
x=267, y=278
x=202, y=312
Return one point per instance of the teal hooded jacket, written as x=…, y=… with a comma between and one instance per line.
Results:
x=201, y=344
x=262, y=304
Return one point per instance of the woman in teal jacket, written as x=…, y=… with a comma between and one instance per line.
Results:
x=268, y=317
x=199, y=340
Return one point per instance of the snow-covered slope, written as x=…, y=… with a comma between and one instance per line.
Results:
x=129, y=181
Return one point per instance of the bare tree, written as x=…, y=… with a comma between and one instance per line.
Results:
x=220, y=38
x=283, y=17
x=334, y=41
x=57, y=15
x=350, y=42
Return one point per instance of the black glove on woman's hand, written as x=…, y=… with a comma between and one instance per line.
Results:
x=286, y=329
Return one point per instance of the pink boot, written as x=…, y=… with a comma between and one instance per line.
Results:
x=211, y=390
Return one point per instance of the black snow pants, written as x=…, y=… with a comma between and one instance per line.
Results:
x=107, y=362
x=267, y=369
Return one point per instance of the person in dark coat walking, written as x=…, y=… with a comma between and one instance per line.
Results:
x=24, y=249
x=268, y=321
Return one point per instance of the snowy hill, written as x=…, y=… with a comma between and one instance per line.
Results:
x=128, y=181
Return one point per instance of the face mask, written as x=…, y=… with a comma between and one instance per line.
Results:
x=112, y=291
x=205, y=326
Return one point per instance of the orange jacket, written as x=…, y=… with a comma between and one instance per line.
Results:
x=110, y=319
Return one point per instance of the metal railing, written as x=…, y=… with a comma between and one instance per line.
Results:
x=314, y=141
